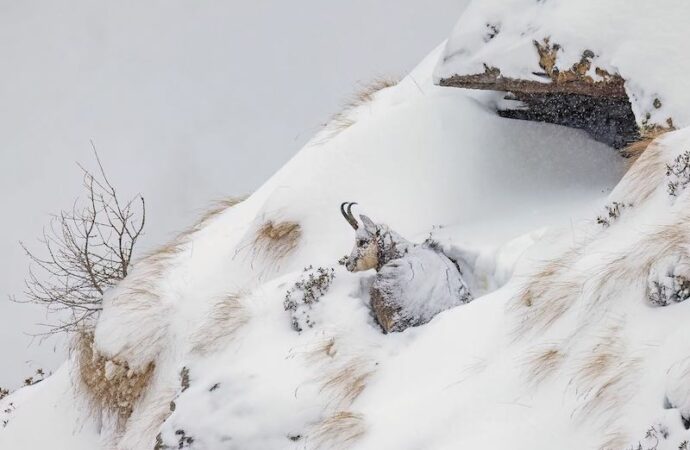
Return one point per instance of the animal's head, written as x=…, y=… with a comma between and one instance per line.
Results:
x=365, y=254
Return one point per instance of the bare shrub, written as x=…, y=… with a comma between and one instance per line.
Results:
x=111, y=385
x=87, y=250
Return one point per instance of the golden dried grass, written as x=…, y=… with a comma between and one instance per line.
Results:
x=544, y=362
x=110, y=385
x=346, y=382
x=343, y=120
x=548, y=54
x=634, y=150
x=219, y=207
x=277, y=239
x=614, y=440
x=325, y=350
x=605, y=377
x=548, y=294
x=226, y=317
x=338, y=431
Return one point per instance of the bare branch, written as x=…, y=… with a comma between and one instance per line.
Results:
x=87, y=250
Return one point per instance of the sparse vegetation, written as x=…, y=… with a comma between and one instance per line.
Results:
x=344, y=120
x=38, y=376
x=35, y=379
x=678, y=173
x=653, y=438
x=664, y=294
x=339, y=430
x=7, y=412
x=184, y=378
x=217, y=208
x=277, y=239
x=306, y=292
x=492, y=30
x=613, y=212
x=183, y=440
x=648, y=134
x=87, y=250
x=226, y=317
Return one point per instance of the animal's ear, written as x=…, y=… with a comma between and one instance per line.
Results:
x=369, y=224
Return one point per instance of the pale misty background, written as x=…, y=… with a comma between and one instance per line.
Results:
x=186, y=101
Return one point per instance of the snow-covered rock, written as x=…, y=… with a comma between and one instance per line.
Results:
x=639, y=40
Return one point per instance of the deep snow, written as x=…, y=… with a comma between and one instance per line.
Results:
x=560, y=349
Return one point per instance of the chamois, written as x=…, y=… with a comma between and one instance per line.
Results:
x=413, y=282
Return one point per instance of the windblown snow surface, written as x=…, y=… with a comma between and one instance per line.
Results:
x=560, y=348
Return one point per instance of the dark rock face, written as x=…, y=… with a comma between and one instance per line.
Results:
x=570, y=97
x=607, y=119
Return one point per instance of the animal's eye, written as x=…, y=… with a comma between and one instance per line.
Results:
x=361, y=242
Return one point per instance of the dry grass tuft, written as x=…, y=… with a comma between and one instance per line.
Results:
x=366, y=93
x=277, y=239
x=338, y=431
x=110, y=385
x=166, y=252
x=343, y=381
x=605, y=378
x=635, y=264
x=548, y=294
x=647, y=167
x=614, y=441
x=347, y=382
x=163, y=253
x=634, y=150
x=343, y=120
x=227, y=316
x=548, y=53
x=324, y=351
x=216, y=209
x=543, y=363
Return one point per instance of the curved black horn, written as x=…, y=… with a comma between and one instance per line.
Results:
x=348, y=214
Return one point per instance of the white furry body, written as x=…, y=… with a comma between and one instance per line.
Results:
x=418, y=286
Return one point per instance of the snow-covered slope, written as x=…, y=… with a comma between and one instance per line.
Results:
x=560, y=349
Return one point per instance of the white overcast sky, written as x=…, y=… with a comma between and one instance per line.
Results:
x=186, y=100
